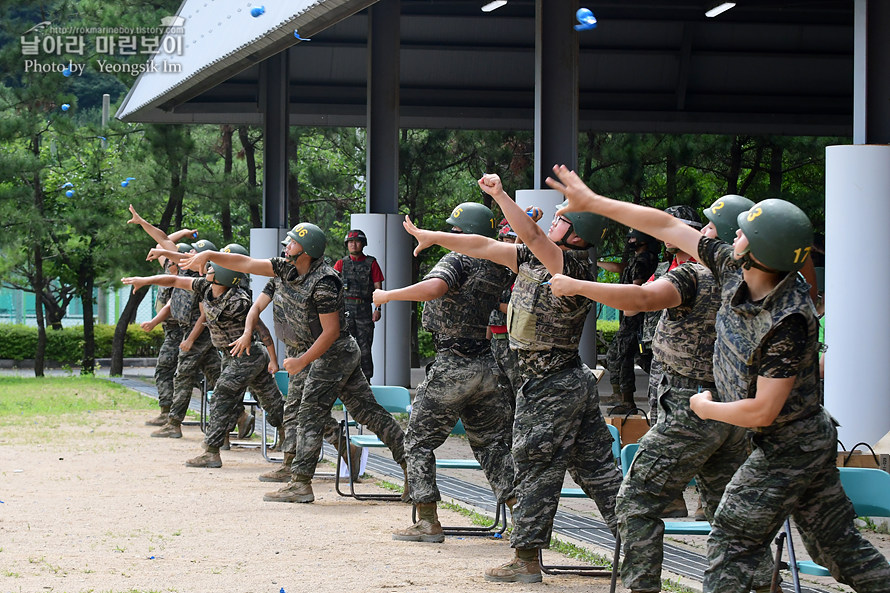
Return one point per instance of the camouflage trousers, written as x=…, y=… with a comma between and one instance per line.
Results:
x=679, y=447
x=656, y=371
x=361, y=327
x=292, y=401
x=337, y=374
x=623, y=349
x=508, y=363
x=168, y=357
x=559, y=427
x=791, y=472
x=202, y=357
x=248, y=371
x=465, y=387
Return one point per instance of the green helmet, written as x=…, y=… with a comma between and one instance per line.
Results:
x=473, y=218
x=234, y=248
x=203, y=245
x=225, y=276
x=183, y=247
x=310, y=237
x=779, y=234
x=587, y=225
x=724, y=213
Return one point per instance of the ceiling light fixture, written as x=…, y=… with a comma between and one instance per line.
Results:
x=717, y=9
x=493, y=5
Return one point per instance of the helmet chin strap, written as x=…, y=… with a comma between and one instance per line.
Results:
x=565, y=241
x=748, y=263
x=293, y=258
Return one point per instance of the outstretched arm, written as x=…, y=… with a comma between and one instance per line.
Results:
x=154, y=232
x=162, y=316
x=660, y=225
x=423, y=291
x=472, y=245
x=183, y=234
x=525, y=228
x=232, y=261
x=138, y=282
x=654, y=296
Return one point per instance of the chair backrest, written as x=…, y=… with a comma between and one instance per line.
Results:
x=616, y=442
x=628, y=452
x=393, y=398
x=868, y=489
x=281, y=379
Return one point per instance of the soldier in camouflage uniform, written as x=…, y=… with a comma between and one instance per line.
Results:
x=361, y=276
x=625, y=346
x=504, y=356
x=681, y=445
x=317, y=326
x=766, y=375
x=193, y=350
x=463, y=381
x=558, y=425
x=225, y=305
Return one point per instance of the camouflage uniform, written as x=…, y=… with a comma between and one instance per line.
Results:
x=504, y=356
x=202, y=357
x=225, y=324
x=463, y=381
x=283, y=300
x=337, y=373
x=625, y=346
x=792, y=470
x=558, y=424
x=359, y=287
x=681, y=445
x=168, y=355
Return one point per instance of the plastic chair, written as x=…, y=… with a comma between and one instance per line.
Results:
x=394, y=399
x=869, y=491
x=590, y=571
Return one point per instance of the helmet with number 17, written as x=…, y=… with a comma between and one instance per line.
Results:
x=780, y=235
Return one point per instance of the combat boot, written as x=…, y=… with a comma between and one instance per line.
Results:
x=245, y=424
x=524, y=568
x=278, y=445
x=613, y=398
x=299, y=489
x=354, y=462
x=676, y=509
x=209, y=459
x=282, y=474
x=427, y=528
x=406, y=487
x=510, y=503
x=171, y=430
x=227, y=445
x=160, y=419
x=626, y=406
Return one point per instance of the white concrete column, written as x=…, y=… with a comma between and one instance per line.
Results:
x=392, y=246
x=266, y=243
x=857, y=209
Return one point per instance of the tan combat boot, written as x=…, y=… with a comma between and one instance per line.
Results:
x=279, y=440
x=282, y=474
x=299, y=489
x=171, y=430
x=209, y=459
x=427, y=528
x=160, y=419
x=524, y=568
x=510, y=503
x=700, y=511
x=406, y=488
x=245, y=424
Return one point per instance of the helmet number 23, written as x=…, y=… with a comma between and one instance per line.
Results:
x=800, y=254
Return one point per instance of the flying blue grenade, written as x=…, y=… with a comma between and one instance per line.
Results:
x=297, y=35
x=127, y=181
x=586, y=20
x=65, y=106
x=257, y=11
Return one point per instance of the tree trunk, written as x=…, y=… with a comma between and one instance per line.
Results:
x=226, y=218
x=735, y=166
x=293, y=185
x=775, y=172
x=88, y=364
x=256, y=217
x=120, y=330
x=40, y=354
x=671, y=179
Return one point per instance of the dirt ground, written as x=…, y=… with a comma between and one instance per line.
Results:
x=102, y=507
x=98, y=506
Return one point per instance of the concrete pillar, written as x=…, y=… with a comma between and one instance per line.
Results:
x=266, y=243
x=275, y=103
x=857, y=205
